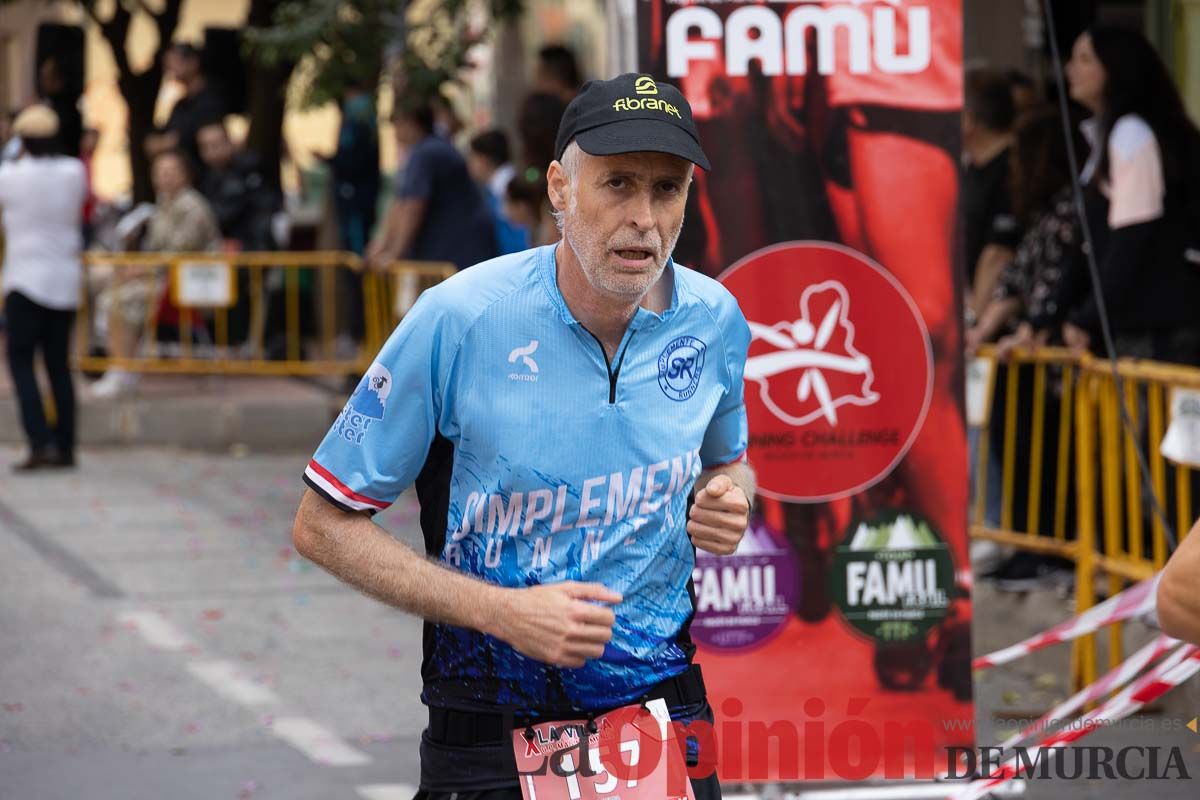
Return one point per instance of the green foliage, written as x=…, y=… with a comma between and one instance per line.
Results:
x=342, y=43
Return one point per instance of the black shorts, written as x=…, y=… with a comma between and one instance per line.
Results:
x=462, y=760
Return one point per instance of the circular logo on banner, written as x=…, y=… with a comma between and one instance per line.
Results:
x=840, y=370
x=745, y=598
x=892, y=577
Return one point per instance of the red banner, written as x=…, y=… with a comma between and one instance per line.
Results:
x=836, y=642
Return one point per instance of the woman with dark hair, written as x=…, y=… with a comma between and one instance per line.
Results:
x=1031, y=287
x=1143, y=146
x=41, y=201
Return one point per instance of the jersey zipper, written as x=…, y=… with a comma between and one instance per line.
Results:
x=613, y=372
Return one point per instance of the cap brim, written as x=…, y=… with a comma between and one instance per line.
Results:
x=641, y=136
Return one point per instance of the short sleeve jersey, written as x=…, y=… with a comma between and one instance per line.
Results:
x=538, y=460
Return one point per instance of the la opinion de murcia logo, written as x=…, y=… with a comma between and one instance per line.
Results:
x=777, y=40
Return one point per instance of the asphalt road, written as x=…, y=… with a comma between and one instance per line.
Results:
x=159, y=638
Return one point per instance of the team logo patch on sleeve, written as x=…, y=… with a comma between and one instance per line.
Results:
x=679, y=367
x=366, y=405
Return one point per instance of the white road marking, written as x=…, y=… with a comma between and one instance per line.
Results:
x=224, y=678
x=317, y=742
x=155, y=630
x=386, y=791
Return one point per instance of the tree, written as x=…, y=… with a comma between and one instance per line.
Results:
x=341, y=44
x=267, y=83
x=139, y=89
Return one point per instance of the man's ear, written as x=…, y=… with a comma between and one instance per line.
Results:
x=557, y=186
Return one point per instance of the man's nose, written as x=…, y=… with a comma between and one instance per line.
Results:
x=641, y=214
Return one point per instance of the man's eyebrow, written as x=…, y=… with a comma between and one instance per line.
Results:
x=617, y=172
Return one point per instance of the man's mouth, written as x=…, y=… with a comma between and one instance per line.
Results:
x=634, y=256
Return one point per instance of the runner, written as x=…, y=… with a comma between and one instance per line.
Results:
x=555, y=409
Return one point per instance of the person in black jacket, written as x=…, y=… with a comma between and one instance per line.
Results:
x=1142, y=142
x=236, y=188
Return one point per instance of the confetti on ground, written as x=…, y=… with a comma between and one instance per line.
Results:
x=213, y=614
x=14, y=708
x=1047, y=680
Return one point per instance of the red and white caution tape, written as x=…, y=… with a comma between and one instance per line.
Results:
x=1171, y=672
x=1135, y=601
x=1111, y=681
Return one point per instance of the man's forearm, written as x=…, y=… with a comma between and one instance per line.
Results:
x=359, y=552
x=1178, y=599
x=403, y=221
x=987, y=274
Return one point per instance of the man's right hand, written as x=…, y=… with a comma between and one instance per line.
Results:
x=559, y=624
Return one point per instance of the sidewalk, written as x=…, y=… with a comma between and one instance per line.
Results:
x=205, y=412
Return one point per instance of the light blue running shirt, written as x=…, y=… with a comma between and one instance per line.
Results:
x=537, y=461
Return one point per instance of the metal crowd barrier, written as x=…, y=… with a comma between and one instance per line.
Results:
x=268, y=313
x=1070, y=481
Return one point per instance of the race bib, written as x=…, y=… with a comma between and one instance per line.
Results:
x=627, y=754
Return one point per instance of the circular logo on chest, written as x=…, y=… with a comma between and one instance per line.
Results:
x=679, y=367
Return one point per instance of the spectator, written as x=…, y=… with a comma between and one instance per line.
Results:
x=236, y=190
x=356, y=181
x=438, y=214
x=87, y=152
x=1143, y=143
x=41, y=202
x=182, y=222
x=446, y=122
x=989, y=229
x=527, y=205
x=557, y=73
x=489, y=162
x=537, y=125
x=523, y=202
x=489, y=166
x=1031, y=288
x=54, y=91
x=244, y=203
x=1034, y=289
x=200, y=105
x=355, y=168
x=1024, y=92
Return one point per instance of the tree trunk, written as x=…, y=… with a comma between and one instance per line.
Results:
x=267, y=93
x=140, y=93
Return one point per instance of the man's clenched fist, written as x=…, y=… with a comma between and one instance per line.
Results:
x=565, y=624
x=719, y=516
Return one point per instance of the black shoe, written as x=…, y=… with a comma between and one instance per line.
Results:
x=37, y=459
x=61, y=460
x=48, y=458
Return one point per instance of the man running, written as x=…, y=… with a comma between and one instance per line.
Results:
x=555, y=409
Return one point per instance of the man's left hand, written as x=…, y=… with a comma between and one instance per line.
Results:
x=718, y=518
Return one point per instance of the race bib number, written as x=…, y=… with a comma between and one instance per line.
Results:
x=632, y=755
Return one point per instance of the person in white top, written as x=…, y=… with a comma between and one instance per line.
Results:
x=41, y=202
x=1143, y=146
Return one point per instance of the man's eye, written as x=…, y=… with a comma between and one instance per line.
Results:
x=669, y=187
x=616, y=183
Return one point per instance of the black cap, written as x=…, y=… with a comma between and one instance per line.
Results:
x=628, y=114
